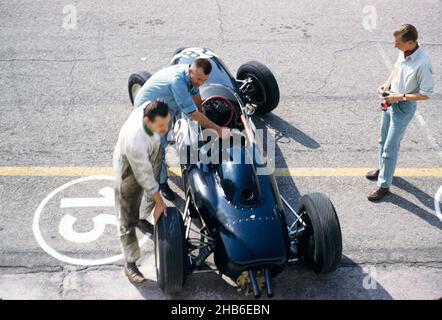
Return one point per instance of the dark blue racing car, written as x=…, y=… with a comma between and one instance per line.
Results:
x=233, y=212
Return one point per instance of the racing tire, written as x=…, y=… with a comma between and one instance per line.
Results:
x=265, y=87
x=320, y=245
x=170, y=253
x=135, y=82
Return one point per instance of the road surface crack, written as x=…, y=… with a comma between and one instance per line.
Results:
x=334, y=66
x=220, y=22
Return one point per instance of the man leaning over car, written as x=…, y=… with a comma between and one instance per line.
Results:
x=179, y=86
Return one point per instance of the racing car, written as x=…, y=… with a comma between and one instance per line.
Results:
x=233, y=214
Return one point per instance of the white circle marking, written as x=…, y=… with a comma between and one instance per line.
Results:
x=77, y=261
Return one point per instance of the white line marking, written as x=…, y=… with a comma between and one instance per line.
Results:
x=430, y=137
x=387, y=60
x=437, y=199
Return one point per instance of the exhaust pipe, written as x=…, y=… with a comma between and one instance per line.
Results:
x=268, y=279
x=255, y=287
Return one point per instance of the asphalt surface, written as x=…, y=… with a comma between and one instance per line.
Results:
x=63, y=99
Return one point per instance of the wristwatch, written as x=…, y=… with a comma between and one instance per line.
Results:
x=404, y=98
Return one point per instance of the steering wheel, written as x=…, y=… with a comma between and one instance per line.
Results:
x=218, y=102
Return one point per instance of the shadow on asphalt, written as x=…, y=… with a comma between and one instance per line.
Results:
x=285, y=132
x=295, y=282
x=424, y=198
x=349, y=281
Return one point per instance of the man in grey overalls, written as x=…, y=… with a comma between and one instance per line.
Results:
x=137, y=165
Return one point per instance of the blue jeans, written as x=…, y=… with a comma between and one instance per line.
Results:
x=394, y=123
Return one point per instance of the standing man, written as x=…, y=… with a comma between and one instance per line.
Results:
x=179, y=86
x=137, y=166
x=411, y=80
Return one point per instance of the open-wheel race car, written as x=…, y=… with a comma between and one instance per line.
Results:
x=233, y=214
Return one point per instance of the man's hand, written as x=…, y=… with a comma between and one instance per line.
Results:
x=160, y=207
x=393, y=98
x=158, y=211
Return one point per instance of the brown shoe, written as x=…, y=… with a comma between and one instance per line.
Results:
x=372, y=175
x=378, y=194
x=132, y=272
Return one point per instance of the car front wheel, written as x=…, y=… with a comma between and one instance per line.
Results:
x=262, y=89
x=170, y=251
x=320, y=244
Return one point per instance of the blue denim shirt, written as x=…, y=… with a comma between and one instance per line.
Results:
x=413, y=74
x=173, y=85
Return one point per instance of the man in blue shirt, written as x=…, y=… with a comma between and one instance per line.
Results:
x=411, y=80
x=178, y=86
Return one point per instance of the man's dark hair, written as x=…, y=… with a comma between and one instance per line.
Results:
x=203, y=64
x=407, y=32
x=155, y=108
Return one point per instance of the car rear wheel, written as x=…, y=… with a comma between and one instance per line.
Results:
x=263, y=90
x=170, y=253
x=320, y=244
x=136, y=81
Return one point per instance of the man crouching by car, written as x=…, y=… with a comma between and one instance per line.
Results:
x=137, y=166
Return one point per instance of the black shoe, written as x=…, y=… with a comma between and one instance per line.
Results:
x=145, y=227
x=378, y=194
x=132, y=272
x=166, y=192
x=372, y=175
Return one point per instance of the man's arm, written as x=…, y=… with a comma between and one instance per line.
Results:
x=187, y=105
x=159, y=206
x=424, y=77
x=142, y=168
x=198, y=102
x=416, y=96
x=426, y=86
x=205, y=122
